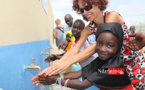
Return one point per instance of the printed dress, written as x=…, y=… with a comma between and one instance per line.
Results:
x=133, y=60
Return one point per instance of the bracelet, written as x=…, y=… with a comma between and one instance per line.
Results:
x=65, y=84
x=61, y=75
x=56, y=81
x=60, y=82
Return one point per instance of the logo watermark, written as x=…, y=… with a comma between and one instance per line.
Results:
x=111, y=71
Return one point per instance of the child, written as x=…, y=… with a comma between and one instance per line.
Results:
x=109, y=39
x=54, y=57
x=69, y=40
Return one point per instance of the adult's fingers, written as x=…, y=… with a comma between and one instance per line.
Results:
x=45, y=70
x=53, y=70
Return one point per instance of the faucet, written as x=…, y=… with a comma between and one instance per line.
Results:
x=45, y=52
x=33, y=66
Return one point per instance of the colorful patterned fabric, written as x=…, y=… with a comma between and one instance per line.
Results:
x=133, y=60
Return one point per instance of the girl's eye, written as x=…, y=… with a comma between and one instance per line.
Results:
x=99, y=43
x=109, y=46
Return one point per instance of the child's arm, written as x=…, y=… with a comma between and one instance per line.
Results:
x=48, y=80
x=73, y=75
x=53, y=57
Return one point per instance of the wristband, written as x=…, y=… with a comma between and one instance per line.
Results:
x=56, y=81
x=60, y=82
x=65, y=84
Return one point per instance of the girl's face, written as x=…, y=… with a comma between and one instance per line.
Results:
x=89, y=11
x=106, y=45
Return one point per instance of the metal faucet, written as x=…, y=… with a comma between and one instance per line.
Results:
x=45, y=52
x=33, y=66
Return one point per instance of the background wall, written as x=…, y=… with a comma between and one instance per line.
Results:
x=24, y=21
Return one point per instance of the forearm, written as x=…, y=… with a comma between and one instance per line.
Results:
x=79, y=85
x=73, y=75
x=88, y=52
x=55, y=35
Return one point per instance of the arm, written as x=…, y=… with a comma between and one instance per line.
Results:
x=53, y=57
x=81, y=85
x=55, y=35
x=43, y=79
x=64, y=43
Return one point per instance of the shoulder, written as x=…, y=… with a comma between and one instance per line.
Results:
x=114, y=17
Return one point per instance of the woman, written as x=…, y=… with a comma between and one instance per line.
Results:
x=93, y=11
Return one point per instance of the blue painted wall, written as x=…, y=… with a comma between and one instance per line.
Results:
x=13, y=58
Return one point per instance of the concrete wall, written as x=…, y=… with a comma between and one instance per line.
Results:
x=24, y=21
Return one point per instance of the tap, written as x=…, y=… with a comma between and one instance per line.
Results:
x=45, y=52
x=33, y=66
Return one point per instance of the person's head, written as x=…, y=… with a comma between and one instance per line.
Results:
x=109, y=39
x=68, y=20
x=90, y=8
x=77, y=28
x=57, y=22
x=132, y=29
x=68, y=37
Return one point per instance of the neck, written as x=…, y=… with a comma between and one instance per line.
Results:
x=99, y=19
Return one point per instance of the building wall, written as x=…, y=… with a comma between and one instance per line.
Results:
x=24, y=21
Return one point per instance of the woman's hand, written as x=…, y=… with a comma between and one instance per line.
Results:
x=137, y=43
x=57, y=68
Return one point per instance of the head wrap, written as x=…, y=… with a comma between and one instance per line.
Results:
x=70, y=33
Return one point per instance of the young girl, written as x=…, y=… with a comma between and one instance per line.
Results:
x=93, y=11
x=109, y=42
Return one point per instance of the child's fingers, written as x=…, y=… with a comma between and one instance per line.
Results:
x=34, y=78
x=41, y=83
x=42, y=79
